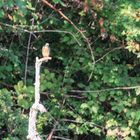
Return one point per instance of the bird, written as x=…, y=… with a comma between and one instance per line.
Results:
x=46, y=50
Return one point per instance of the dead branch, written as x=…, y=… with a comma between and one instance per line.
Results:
x=37, y=106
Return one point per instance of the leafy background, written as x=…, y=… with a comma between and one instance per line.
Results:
x=84, y=99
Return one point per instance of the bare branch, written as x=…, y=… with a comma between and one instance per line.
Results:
x=17, y=27
x=52, y=131
x=87, y=122
x=75, y=96
x=67, y=19
x=60, y=138
x=108, y=53
x=96, y=61
x=27, y=57
x=103, y=90
x=62, y=14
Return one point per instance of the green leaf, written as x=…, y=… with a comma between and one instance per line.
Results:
x=29, y=6
x=102, y=98
x=84, y=105
x=10, y=3
x=137, y=91
x=2, y=3
x=56, y=1
x=24, y=103
x=94, y=109
x=72, y=126
x=2, y=14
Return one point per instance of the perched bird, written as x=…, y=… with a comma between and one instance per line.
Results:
x=46, y=50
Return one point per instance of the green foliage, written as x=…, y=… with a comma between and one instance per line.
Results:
x=12, y=119
x=24, y=95
x=124, y=22
x=81, y=98
x=10, y=65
